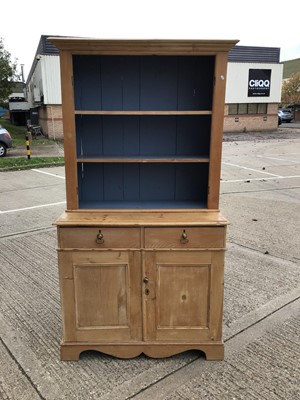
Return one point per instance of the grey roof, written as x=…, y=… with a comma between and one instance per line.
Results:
x=254, y=54
x=45, y=47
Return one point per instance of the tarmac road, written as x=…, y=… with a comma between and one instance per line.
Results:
x=260, y=195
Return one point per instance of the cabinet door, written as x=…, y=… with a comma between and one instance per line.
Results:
x=183, y=295
x=101, y=295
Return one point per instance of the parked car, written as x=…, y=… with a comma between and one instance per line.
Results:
x=284, y=115
x=5, y=141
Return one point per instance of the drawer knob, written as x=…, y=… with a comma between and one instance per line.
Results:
x=184, y=237
x=146, y=280
x=100, y=238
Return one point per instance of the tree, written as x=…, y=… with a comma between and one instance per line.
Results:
x=8, y=73
x=290, y=93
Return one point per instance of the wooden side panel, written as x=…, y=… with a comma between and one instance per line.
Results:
x=217, y=130
x=216, y=295
x=69, y=129
x=66, y=280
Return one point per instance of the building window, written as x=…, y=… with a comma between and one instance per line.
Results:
x=262, y=108
x=242, y=108
x=247, y=108
x=232, y=109
x=252, y=108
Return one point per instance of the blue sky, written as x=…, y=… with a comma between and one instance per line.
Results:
x=255, y=23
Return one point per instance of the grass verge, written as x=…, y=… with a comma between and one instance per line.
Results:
x=21, y=163
x=18, y=134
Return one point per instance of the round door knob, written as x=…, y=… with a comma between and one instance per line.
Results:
x=146, y=280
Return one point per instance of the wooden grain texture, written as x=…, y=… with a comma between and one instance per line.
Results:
x=213, y=351
x=139, y=159
x=112, y=238
x=216, y=295
x=147, y=47
x=101, y=295
x=137, y=112
x=217, y=131
x=139, y=218
x=179, y=296
x=69, y=130
x=204, y=237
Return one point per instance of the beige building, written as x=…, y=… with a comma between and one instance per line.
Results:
x=253, y=90
x=253, y=93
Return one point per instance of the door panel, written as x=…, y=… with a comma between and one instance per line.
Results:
x=100, y=295
x=182, y=295
x=178, y=304
x=102, y=291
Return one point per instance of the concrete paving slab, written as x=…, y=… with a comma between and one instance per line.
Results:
x=255, y=184
x=14, y=384
x=261, y=363
x=29, y=188
x=26, y=219
x=25, y=180
x=266, y=221
x=253, y=280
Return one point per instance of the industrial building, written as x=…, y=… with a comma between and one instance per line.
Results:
x=253, y=90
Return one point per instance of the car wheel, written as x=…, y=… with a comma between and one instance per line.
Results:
x=2, y=150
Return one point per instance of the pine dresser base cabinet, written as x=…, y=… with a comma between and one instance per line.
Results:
x=128, y=290
x=141, y=243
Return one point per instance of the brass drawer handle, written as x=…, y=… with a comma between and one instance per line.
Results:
x=100, y=237
x=184, y=238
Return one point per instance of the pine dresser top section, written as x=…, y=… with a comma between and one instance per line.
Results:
x=142, y=47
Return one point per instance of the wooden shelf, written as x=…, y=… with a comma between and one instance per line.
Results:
x=141, y=159
x=141, y=205
x=170, y=112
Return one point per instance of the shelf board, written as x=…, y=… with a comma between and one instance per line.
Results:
x=140, y=205
x=142, y=159
x=171, y=112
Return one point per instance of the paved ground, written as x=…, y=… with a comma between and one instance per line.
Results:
x=260, y=195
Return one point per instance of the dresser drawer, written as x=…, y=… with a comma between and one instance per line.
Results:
x=99, y=238
x=185, y=237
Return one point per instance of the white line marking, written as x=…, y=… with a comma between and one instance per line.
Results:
x=32, y=208
x=251, y=169
x=281, y=154
x=48, y=173
x=260, y=179
x=280, y=159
